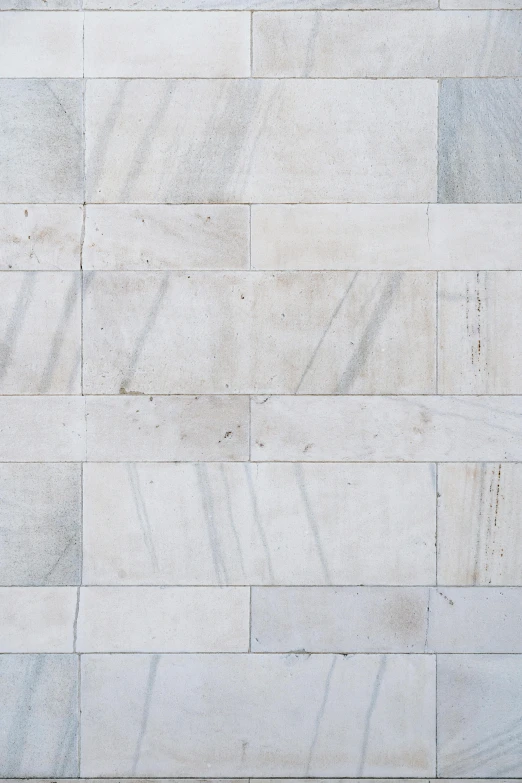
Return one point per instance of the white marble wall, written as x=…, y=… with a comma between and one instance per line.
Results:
x=261, y=390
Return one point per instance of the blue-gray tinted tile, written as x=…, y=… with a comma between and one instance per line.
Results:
x=480, y=144
x=38, y=719
x=479, y=724
x=41, y=140
x=40, y=524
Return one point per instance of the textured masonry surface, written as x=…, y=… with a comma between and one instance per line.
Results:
x=261, y=390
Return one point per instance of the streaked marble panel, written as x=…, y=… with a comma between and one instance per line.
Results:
x=41, y=140
x=40, y=524
x=163, y=619
x=39, y=715
x=42, y=429
x=339, y=619
x=480, y=150
x=42, y=45
x=479, y=700
x=40, y=333
x=480, y=524
x=480, y=333
x=138, y=427
x=147, y=44
x=387, y=44
x=193, y=141
x=257, y=332
x=259, y=524
x=34, y=236
x=349, y=429
x=37, y=619
x=161, y=236
x=199, y=714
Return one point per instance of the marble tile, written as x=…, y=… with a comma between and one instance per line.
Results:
x=40, y=524
x=386, y=236
x=340, y=236
x=38, y=719
x=387, y=44
x=42, y=429
x=45, y=359
x=137, y=427
x=194, y=141
x=475, y=236
x=259, y=524
x=479, y=524
x=349, y=429
x=161, y=236
x=41, y=140
x=339, y=619
x=479, y=715
x=475, y=620
x=199, y=714
x=34, y=44
x=480, y=333
x=37, y=619
x=34, y=236
x=164, y=619
x=243, y=333
x=145, y=44
x=480, y=153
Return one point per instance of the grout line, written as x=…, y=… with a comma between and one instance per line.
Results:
x=436, y=524
x=437, y=334
x=267, y=271
x=199, y=395
x=251, y=43
x=282, y=652
x=437, y=120
x=249, y=429
x=274, y=10
x=337, y=586
x=250, y=237
x=79, y=715
x=437, y=716
x=262, y=462
x=250, y=620
x=261, y=79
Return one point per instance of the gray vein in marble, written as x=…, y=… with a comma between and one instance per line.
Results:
x=369, y=714
x=145, y=144
x=218, y=557
x=257, y=520
x=153, y=668
x=58, y=338
x=311, y=520
x=231, y=517
x=147, y=326
x=325, y=332
x=19, y=725
x=142, y=514
x=374, y=324
x=8, y=344
x=320, y=714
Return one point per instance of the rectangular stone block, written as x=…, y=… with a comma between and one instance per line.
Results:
x=201, y=141
x=479, y=524
x=199, y=714
x=147, y=44
x=161, y=236
x=136, y=427
x=339, y=619
x=259, y=524
x=256, y=332
x=387, y=44
x=37, y=619
x=387, y=429
x=164, y=619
